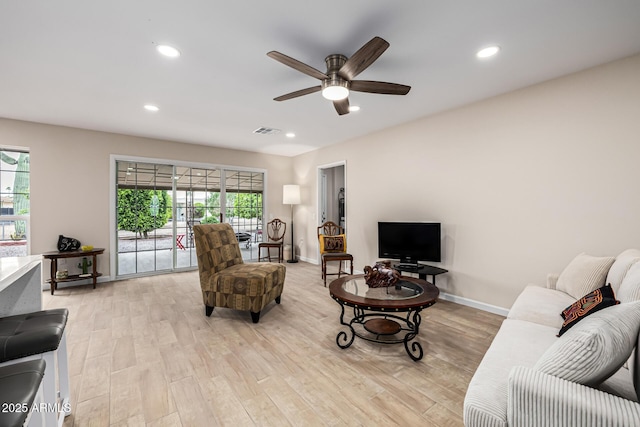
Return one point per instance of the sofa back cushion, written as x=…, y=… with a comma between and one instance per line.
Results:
x=596, y=347
x=621, y=266
x=584, y=274
x=634, y=364
x=630, y=287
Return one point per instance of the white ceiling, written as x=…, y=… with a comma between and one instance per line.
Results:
x=93, y=65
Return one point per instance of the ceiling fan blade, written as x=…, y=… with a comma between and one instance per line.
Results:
x=364, y=57
x=342, y=106
x=298, y=93
x=379, y=87
x=297, y=65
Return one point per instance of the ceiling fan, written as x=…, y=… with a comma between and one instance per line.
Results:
x=338, y=80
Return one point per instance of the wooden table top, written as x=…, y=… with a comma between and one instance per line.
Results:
x=72, y=254
x=428, y=296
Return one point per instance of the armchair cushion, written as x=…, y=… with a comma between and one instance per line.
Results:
x=244, y=286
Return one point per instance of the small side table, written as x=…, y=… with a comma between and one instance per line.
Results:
x=55, y=256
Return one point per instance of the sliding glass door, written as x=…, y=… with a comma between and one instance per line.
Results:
x=157, y=206
x=144, y=215
x=244, y=208
x=197, y=201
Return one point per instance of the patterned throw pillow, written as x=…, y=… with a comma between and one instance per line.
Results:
x=590, y=303
x=333, y=243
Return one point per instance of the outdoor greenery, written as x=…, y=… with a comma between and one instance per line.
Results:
x=20, y=190
x=244, y=205
x=198, y=211
x=209, y=220
x=141, y=211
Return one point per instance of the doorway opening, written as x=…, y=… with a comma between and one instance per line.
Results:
x=332, y=191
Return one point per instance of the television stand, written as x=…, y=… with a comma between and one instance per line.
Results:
x=422, y=270
x=409, y=267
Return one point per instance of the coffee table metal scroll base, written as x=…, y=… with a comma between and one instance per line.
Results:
x=383, y=315
x=380, y=328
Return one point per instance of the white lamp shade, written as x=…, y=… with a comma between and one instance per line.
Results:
x=291, y=194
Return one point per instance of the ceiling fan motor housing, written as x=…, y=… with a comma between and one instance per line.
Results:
x=334, y=63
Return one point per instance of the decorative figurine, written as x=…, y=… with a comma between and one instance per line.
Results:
x=68, y=244
x=381, y=275
x=84, y=265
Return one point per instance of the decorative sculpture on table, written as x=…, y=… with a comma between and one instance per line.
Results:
x=84, y=265
x=68, y=244
x=381, y=275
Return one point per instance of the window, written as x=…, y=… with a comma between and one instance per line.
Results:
x=14, y=203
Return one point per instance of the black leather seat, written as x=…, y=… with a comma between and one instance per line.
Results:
x=19, y=384
x=33, y=333
x=41, y=335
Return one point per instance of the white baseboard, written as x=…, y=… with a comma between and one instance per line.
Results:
x=475, y=304
x=443, y=295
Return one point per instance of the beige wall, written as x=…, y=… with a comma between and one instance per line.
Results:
x=70, y=177
x=522, y=182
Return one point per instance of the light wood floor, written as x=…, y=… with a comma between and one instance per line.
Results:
x=142, y=353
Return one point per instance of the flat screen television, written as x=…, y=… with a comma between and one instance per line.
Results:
x=409, y=242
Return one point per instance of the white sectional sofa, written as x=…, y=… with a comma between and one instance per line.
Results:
x=531, y=377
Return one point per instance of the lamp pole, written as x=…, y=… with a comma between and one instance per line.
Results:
x=291, y=196
x=293, y=248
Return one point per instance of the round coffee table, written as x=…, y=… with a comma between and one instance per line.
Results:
x=376, y=311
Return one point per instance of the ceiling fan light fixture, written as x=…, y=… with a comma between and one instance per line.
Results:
x=335, y=89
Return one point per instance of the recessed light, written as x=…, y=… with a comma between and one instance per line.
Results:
x=488, y=51
x=290, y=135
x=169, y=51
x=150, y=107
x=353, y=108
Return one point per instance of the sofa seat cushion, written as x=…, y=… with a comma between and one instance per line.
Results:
x=517, y=343
x=540, y=305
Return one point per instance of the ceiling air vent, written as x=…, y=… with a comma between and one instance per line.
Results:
x=266, y=131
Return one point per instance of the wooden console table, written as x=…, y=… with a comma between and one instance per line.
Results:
x=55, y=255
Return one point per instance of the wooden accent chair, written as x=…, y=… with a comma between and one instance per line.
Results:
x=276, y=230
x=333, y=247
x=225, y=279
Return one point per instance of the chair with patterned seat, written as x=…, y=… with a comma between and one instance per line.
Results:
x=225, y=279
x=333, y=247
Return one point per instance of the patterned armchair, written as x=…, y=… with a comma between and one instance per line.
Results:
x=226, y=281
